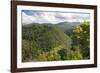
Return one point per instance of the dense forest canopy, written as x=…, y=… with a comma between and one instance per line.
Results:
x=53, y=42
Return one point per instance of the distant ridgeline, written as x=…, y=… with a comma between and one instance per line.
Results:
x=53, y=42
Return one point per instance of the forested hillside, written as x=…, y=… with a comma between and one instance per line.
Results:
x=54, y=42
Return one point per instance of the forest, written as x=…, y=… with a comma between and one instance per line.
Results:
x=55, y=42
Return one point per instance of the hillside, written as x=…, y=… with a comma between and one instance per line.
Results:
x=43, y=38
x=54, y=42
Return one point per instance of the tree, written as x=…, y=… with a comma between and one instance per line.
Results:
x=70, y=55
x=81, y=38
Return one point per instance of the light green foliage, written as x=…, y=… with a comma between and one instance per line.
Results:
x=81, y=38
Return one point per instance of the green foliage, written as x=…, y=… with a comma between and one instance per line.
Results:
x=39, y=42
x=45, y=37
x=44, y=42
x=70, y=55
x=81, y=38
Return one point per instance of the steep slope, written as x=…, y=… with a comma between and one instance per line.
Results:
x=42, y=38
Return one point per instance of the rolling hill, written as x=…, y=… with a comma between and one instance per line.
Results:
x=39, y=39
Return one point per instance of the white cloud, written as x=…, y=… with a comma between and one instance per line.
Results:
x=53, y=17
x=27, y=19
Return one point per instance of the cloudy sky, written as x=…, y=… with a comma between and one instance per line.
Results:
x=29, y=16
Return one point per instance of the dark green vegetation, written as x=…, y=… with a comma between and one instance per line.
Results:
x=54, y=42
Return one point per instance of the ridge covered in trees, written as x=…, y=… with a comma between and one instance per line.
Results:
x=54, y=42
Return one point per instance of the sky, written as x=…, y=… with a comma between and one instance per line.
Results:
x=31, y=16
